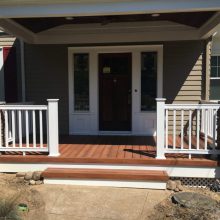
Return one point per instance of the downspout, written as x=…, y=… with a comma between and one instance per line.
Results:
x=23, y=94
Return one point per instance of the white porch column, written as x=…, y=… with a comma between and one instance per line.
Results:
x=53, y=130
x=160, y=128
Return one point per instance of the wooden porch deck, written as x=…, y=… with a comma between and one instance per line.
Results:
x=111, y=150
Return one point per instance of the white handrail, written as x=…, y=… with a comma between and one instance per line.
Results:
x=191, y=107
x=23, y=107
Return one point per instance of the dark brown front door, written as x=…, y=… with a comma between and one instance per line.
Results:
x=115, y=92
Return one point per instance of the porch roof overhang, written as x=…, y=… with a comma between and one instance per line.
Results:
x=13, y=11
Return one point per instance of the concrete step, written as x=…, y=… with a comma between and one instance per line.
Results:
x=107, y=177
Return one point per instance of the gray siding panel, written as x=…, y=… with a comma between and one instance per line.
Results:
x=183, y=71
x=47, y=77
x=47, y=74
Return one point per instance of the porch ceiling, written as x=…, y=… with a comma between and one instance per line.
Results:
x=193, y=19
x=109, y=21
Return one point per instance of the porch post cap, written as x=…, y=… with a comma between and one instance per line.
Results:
x=52, y=100
x=161, y=99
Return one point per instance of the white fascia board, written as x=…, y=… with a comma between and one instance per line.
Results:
x=210, y=27
x=107, y=8
x=17, y=30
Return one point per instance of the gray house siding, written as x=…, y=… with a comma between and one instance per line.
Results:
x=46, y=77
x=184, y=67
x=46, y=68
x=184, y=76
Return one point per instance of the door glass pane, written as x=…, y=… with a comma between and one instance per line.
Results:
x=81, y=82
x=215, y=89
x=148, y=81
x=115, y=64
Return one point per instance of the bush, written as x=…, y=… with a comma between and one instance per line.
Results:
x=8, y=209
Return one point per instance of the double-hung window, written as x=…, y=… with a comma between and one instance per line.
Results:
x=215, y=78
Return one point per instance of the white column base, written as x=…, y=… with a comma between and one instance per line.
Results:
x=54, y=154
x=160, y=157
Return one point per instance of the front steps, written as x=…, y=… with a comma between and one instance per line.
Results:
x=150, y=179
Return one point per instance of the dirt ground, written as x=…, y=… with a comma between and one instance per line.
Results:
x=12, y=188
x=167, y=210
x=60, y=202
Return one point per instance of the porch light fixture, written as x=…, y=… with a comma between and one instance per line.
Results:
x=69, y=18
x=155, y=15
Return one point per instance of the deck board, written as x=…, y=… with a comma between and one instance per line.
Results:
x=143, y=175
x=112, y=150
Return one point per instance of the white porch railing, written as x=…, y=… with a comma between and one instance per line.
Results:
x=186, y=128
x=209, y=126
x=30, y=128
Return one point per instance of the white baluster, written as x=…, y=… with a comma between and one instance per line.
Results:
x=214, y=129
x=197, y=129
x=6, y=128
x=13, y=127
x=206, y=128
x=182, y=128
x=190, y=129
x=167, y=127
x=41, y=128
x=209, y=121
x=174, y=129
x=202, y=121
x=34, y=128
x=27, y=127
x=20, y=128
x=9, y=126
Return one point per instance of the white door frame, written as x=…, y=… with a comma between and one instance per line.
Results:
x=90, y=119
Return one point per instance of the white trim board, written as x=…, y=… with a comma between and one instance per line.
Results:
x=173, y=171
x=143, y=123
x=109, y=183
x=17, y=30
x=110, y=7
x=118, y=32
